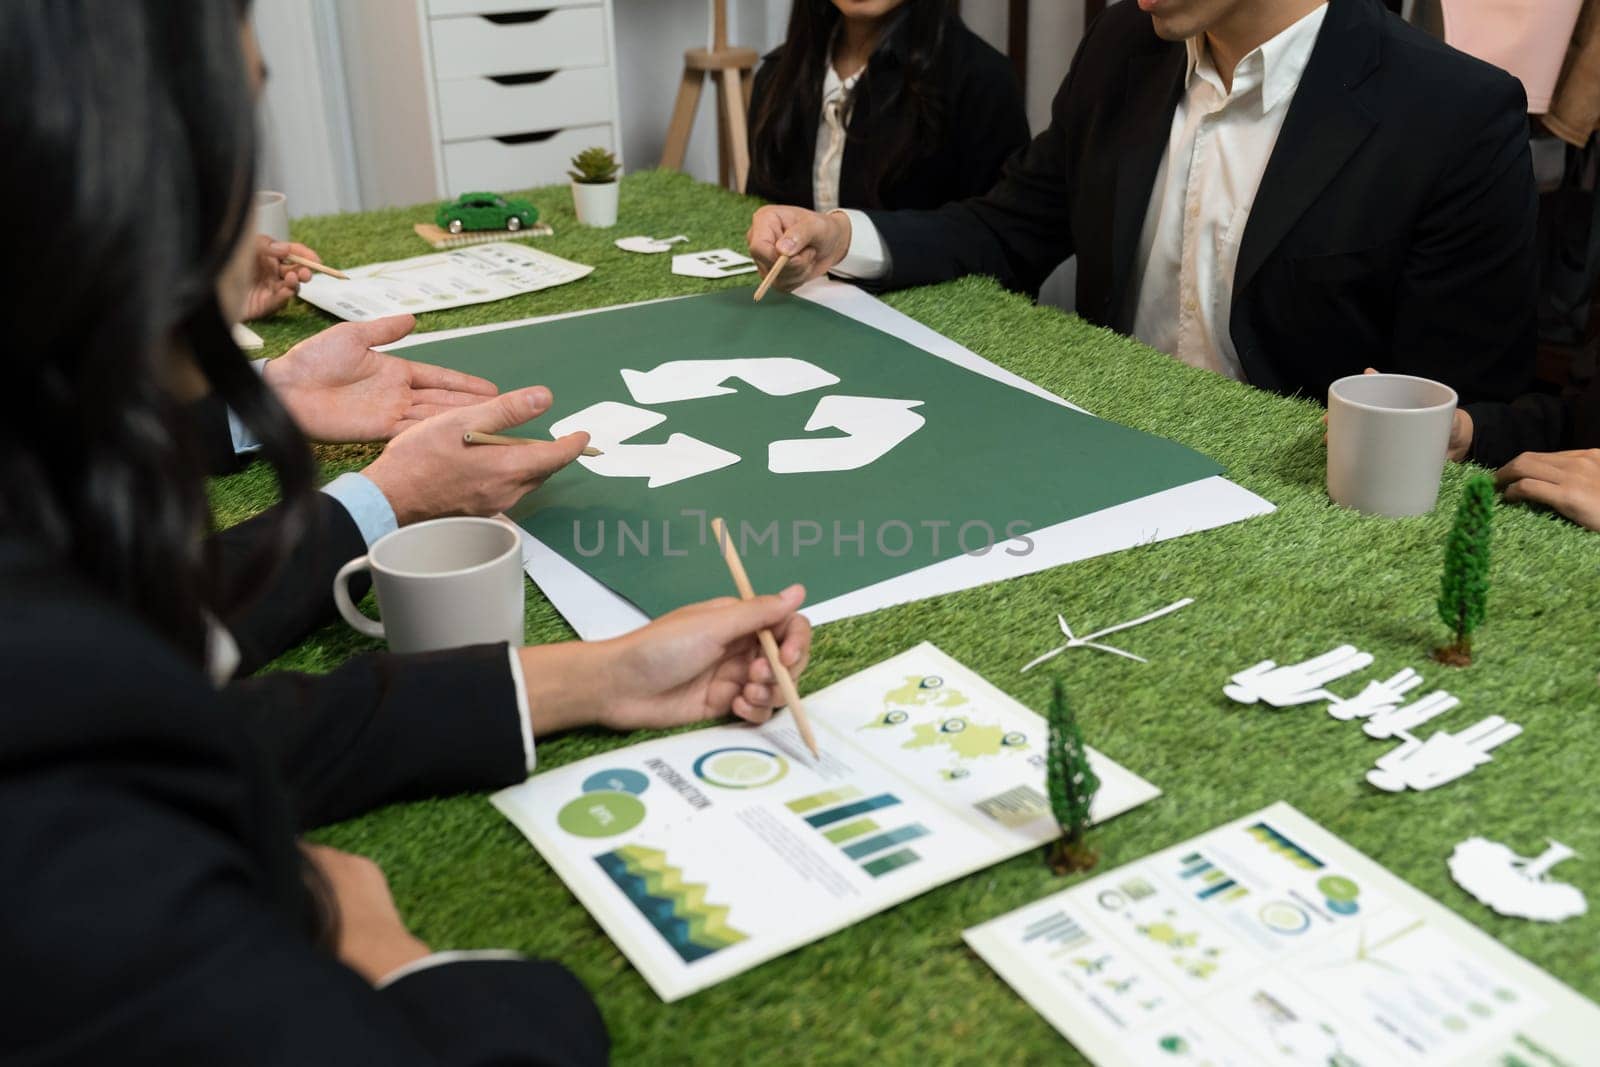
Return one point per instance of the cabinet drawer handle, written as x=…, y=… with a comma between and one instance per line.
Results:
x=513, y=18
x=527, y=138
x=522, y=79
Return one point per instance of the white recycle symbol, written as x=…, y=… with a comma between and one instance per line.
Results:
x=873, y=425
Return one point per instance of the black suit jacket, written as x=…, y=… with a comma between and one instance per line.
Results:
x=1536, y=422
x=1394, y=225
x=984, y=124
x=152, y=908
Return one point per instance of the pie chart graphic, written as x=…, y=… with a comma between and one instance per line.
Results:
x=740, y=768
x=1284, y=918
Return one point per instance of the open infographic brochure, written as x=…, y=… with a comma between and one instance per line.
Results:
x=1270, y=941
x=440, y=280
x=707, y=853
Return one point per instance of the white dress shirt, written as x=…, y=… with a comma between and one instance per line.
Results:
x=838, y=98
x=1189, y=247
x=1218, y=150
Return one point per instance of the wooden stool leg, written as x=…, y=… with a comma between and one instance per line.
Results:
x=724, y=152
x=738, y=132
x=682, y=119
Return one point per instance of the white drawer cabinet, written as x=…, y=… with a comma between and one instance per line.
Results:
x=505, y=162
x=451, y=96
x=465, y=46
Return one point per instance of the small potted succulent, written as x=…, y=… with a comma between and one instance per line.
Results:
x=594, y=187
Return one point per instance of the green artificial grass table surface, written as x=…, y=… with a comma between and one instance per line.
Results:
x=901, y=987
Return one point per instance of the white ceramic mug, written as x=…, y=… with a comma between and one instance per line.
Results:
x=1387, y=438
x=441, y=584
x=272, y=214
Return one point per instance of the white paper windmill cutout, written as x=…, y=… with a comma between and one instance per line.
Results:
x=1089, y=640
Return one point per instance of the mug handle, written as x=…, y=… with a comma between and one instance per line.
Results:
x=347, y=607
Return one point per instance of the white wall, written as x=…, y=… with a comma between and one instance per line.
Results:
x=306, y=148
x=652, y=36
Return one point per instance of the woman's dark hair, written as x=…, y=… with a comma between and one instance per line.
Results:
x=910, y=45
x=129, y=134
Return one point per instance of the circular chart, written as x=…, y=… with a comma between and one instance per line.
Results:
x=740, y=768
x=619, y=780
x=1284, y=918
x=602, y=814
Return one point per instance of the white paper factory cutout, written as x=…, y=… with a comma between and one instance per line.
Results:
x=872, y=426
x=718, y=263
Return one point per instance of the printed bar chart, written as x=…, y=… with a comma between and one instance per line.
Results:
x=841, y=816
x=822, y=800
x=850, y=811
x=892, y=862
x=883, y=841
x=1057, y=928
x=1215, y=884
x=850, y=831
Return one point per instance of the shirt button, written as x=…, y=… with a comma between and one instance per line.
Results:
x=1190, y=305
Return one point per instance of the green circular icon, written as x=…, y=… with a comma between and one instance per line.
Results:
x=740, y=768
x=1338, y=887
x=601, y=814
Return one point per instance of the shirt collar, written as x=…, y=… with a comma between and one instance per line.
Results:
x=832, y=83
x=1283, y=60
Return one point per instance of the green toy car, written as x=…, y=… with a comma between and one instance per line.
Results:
x=485, y=211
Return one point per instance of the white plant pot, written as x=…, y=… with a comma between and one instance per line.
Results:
x=596, y=205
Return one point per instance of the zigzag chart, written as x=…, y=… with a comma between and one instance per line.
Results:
x=677, y=909
x=1284, y=847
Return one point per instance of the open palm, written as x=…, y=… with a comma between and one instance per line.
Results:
x=339, y=389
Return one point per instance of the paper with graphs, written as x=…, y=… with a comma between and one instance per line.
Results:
x=706, y=853
x=1270, y=941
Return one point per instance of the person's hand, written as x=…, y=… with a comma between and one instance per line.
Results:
x=814, y=243
x=373, y=941
x=1460, y=432
x=1569, y=482
x=1460, y=437
x=274, y=279
x=339, y=390
x=697, y=663
x=428, y=470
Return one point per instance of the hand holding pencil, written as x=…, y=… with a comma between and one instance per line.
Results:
x=792, y=245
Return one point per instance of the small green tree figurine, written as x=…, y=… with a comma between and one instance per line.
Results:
x=593, y=166
x=1072, y=783
x=1464, y=591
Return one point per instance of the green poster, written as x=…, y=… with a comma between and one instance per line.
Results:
x=840, y=455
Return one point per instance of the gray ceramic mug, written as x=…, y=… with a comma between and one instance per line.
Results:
x=441, y=584
x=1387, y=438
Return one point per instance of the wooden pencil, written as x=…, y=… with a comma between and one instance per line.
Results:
x=311, y=264
x=769, y=644
x=478, y=437
x=772, y=276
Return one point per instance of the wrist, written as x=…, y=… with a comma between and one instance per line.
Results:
x=393, y=489
x=843, y=232
x=385, y=955
x=565, y=685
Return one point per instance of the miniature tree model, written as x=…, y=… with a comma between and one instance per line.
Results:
x=593, y=166
x=1464, y=591
x=1072, y=783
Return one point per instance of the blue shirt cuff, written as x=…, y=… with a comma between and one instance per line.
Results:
x=245, y=442
x=371, y=510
